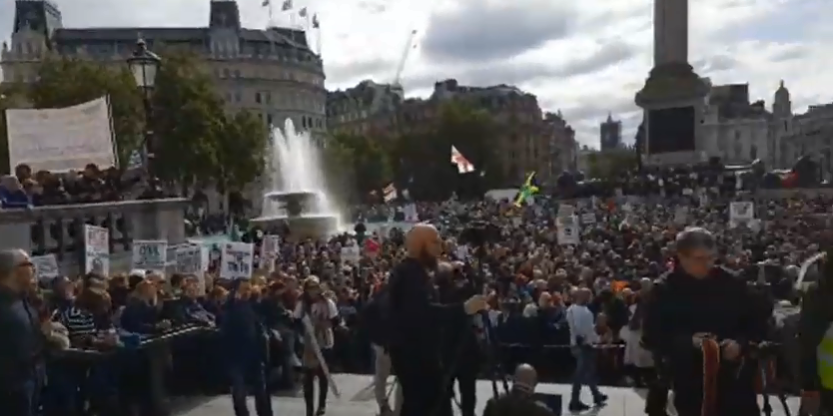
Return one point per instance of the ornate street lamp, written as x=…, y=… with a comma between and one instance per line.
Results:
x=144, y=65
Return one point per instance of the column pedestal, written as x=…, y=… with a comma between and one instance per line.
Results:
x=673, y=94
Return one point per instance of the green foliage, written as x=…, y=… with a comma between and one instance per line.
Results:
x=188, y=119
x=612, y=164
x=368, y=159
x=64, y=82
x=424, y=159
x=240, y=151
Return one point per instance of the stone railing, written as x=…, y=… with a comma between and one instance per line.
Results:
x=59, y=230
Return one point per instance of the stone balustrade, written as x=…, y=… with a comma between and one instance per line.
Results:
x=59, y=230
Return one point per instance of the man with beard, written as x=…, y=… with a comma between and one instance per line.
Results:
x=418, y=323
x=701, y=320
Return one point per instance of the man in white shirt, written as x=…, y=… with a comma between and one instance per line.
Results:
x=582, y=338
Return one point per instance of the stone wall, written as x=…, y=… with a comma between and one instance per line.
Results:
x=161, y=219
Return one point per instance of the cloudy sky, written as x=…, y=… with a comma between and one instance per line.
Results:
x=586, y=58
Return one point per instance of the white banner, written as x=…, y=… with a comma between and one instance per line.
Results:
x=193, y=261
x=270, y=249
x=62, y=139
x=97, y=250
x=46, y=267
x=588, y=218
x=150, y=254
x=568, y=230
x=236, y=261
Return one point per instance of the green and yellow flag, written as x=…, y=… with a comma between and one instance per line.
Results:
x=527, y=190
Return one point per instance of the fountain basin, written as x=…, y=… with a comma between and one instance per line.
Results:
x=307, y=226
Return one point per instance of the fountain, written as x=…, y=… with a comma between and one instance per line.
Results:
x=295, y=194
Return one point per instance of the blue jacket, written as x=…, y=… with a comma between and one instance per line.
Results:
x=243, y=333
x=14, y=199
x=139, y=317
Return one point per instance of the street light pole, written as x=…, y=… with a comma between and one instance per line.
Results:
x=144, y=66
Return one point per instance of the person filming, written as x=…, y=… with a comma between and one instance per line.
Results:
x=702, y=320
x=418, y=322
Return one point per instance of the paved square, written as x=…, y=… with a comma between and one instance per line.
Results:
x=357, y=400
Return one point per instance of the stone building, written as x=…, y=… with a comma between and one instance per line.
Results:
x=739, y=131
x=810, y=133
x=563, y=145
x=273, y=73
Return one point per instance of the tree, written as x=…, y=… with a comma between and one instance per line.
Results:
x=425, y=158
x=240, y=152
x=610, y=164
x=188, y=121
x=369, y=160
x=65, y=82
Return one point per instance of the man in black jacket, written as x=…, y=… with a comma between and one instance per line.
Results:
x=23, y=342
x=418, y=322
x=697, y=301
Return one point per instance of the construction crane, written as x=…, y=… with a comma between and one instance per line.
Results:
x=382, y=92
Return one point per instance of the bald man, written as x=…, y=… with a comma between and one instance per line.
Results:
x=520, y=400
x=417, y=321
x=23, y=343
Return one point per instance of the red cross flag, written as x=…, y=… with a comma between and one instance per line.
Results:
x=463, y=164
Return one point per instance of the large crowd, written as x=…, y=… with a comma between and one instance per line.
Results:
x=531, y=274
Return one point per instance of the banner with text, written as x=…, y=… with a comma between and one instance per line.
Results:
x=270, y=249
x=97, y=250
x=46, y=267
x=62, y=139
x=236, y=260
x=193, y=261
x=150, y=255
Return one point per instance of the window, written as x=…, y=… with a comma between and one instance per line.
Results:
x=226, y=73
x=236, y=73
x=268, y=97
x=257, y=97
x=753, y=152
x=269, y=119
x=237, y=96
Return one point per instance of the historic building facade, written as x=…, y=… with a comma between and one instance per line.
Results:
x=273, y=73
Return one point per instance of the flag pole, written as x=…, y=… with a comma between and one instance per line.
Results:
x=318, y=39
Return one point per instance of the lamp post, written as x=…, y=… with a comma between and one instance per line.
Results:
x=144, y=65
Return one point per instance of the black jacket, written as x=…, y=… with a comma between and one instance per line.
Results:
x=680, y=306
x=418, y=319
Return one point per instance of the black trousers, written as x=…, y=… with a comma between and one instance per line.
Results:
x=465, y=376
x=422, y=381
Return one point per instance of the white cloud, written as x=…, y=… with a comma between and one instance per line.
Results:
x=592, y=64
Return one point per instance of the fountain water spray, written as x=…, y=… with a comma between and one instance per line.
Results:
x=295, y=192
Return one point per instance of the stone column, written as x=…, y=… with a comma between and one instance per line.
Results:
x=672, y=82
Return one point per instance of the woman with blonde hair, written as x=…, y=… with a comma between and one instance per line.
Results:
x=323, y=315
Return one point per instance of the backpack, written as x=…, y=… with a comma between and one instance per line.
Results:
x=375, y=318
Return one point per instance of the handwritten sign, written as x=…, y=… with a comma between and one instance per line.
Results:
x=46, y=267
x=97, y=250
x=236, y=260
x=150, y=254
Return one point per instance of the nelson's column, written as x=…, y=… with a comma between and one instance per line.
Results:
x=673, y=95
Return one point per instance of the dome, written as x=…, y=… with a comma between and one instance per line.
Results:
x=782, y=92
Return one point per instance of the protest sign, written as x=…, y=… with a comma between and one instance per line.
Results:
x=150, y=254
x=236, y=260
x=46, y=267
x=96, y=250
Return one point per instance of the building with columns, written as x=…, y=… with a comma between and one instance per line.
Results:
x=273, y=73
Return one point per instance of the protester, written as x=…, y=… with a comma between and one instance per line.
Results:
x=321, y=313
